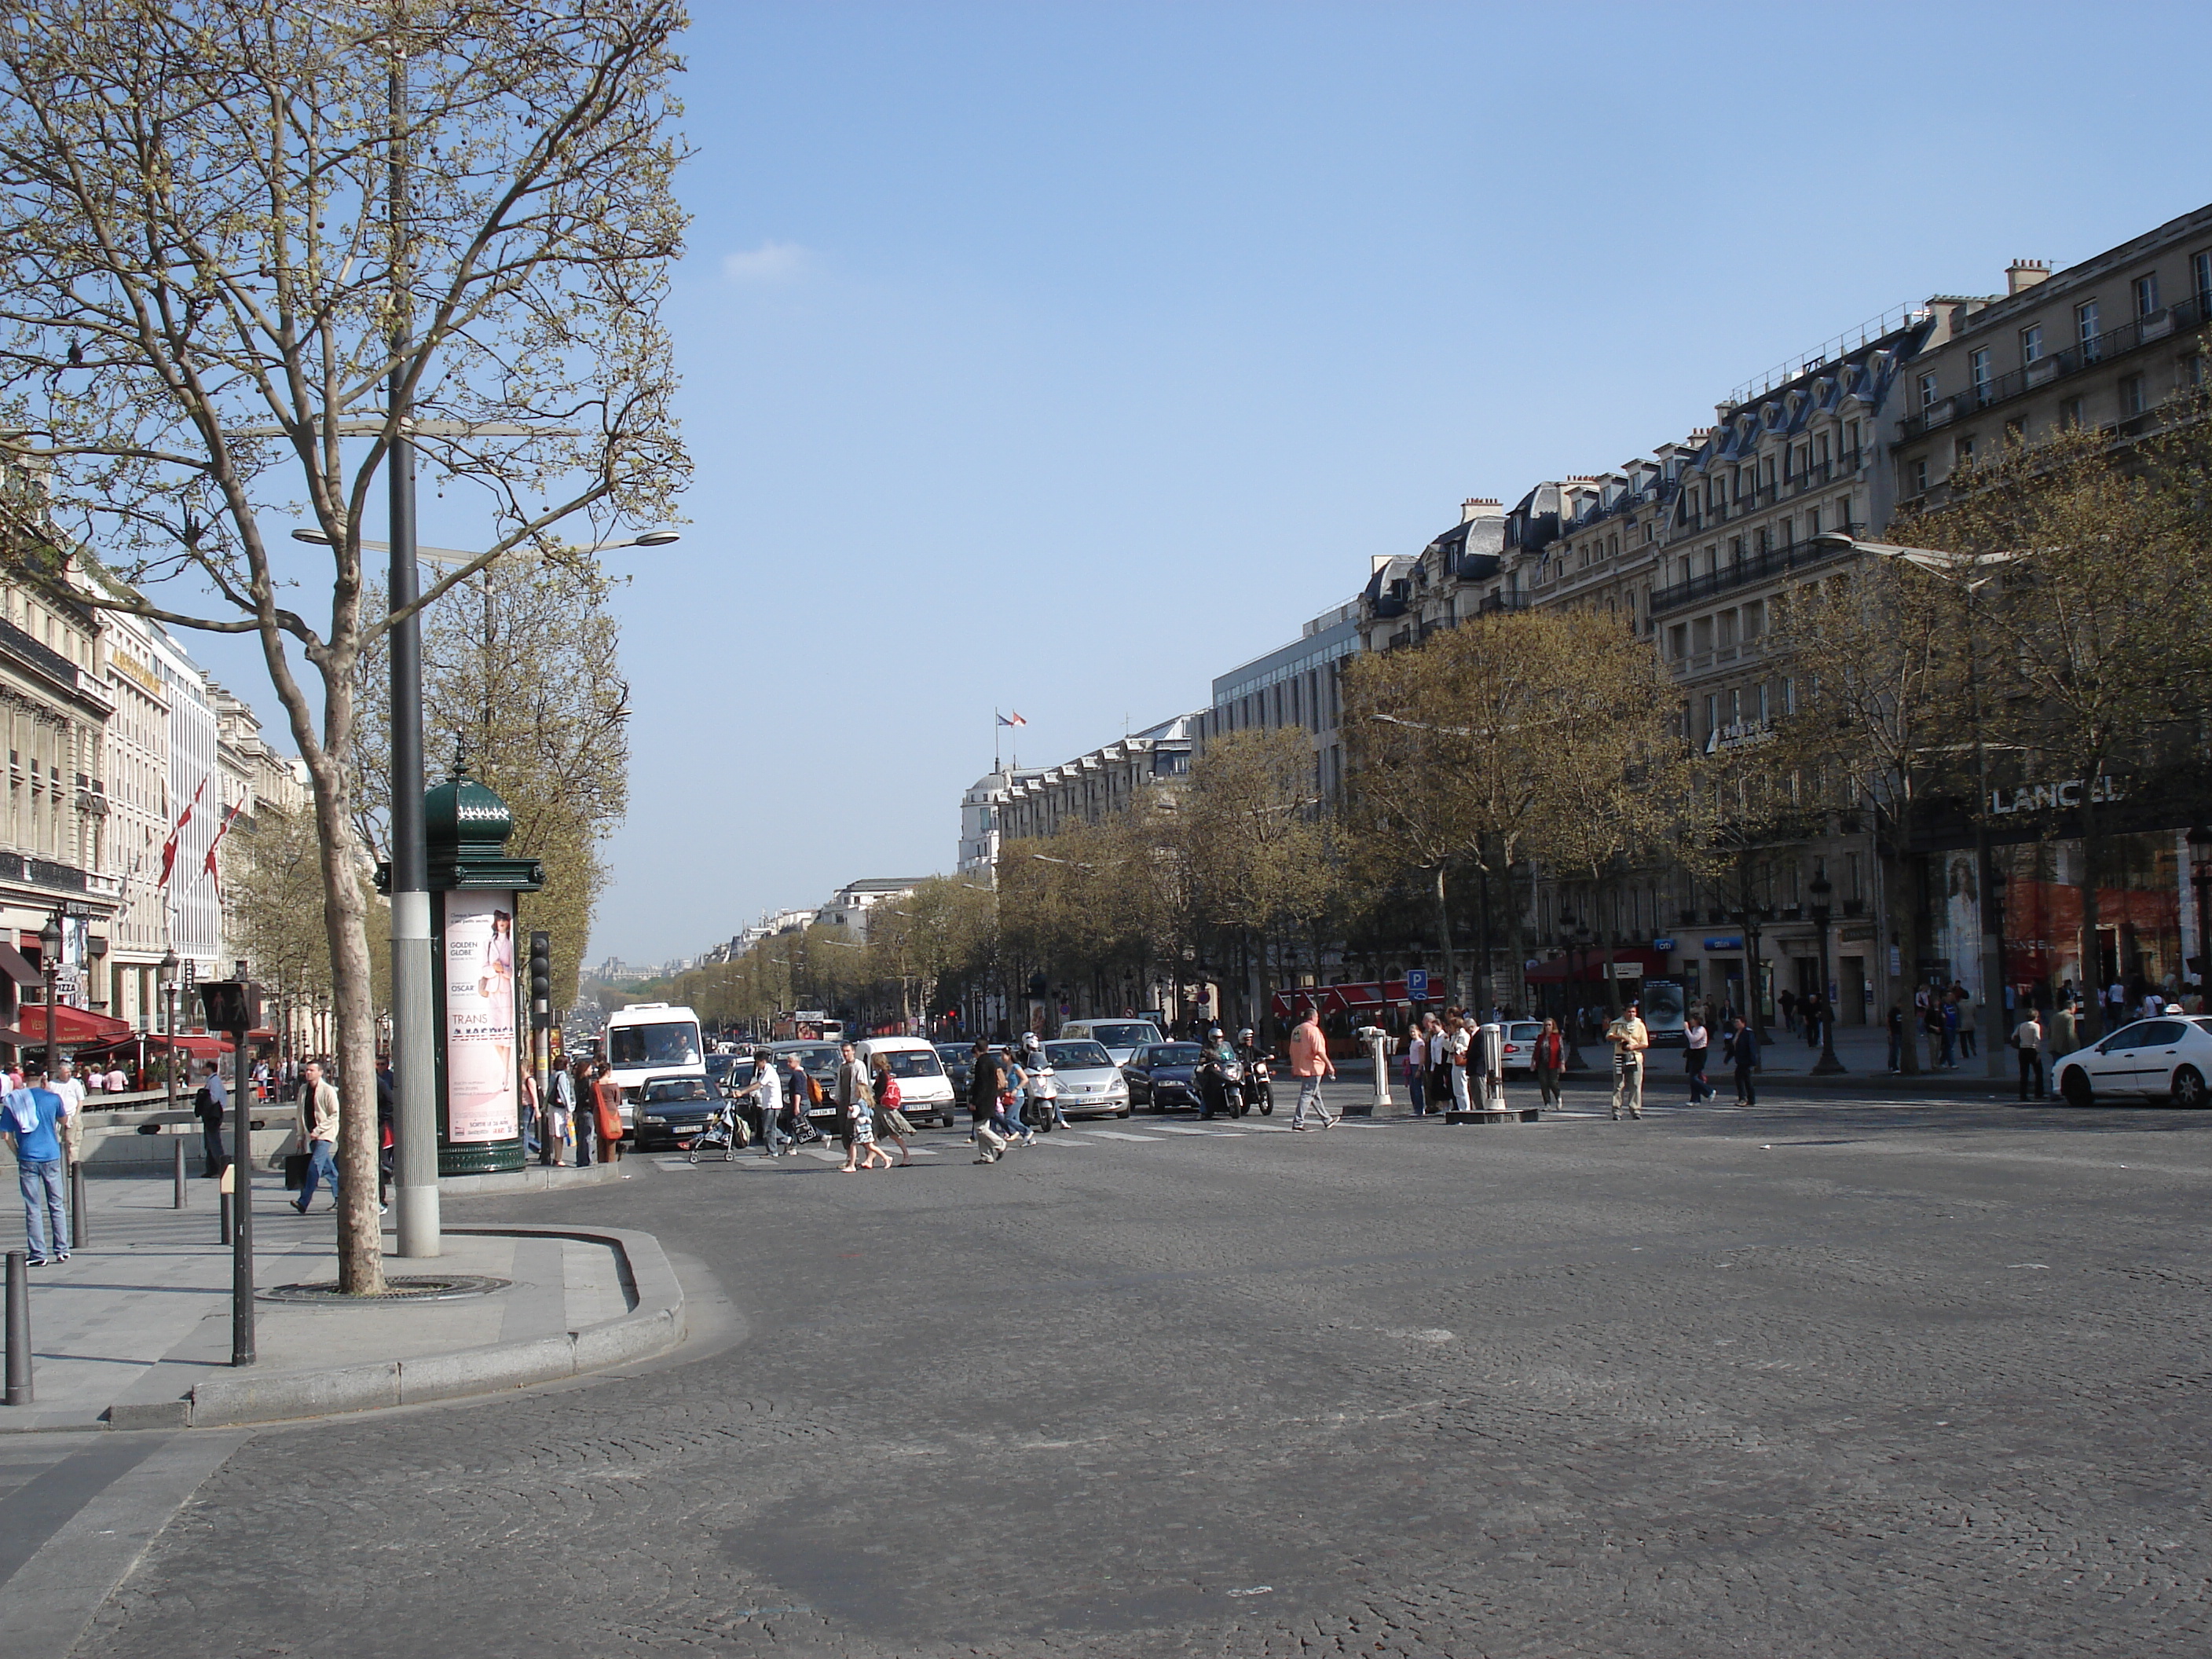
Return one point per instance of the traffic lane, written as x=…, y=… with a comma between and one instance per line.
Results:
x=1604, y=1389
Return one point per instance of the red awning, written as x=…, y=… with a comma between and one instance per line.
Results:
x=1650, y=964
x=73, y=1028
x=199, y=1048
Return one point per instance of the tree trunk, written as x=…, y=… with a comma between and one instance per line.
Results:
x=1908, y=1050
x=1444, y=933
x=2093, y=966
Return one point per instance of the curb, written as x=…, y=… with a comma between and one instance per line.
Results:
x=653, y=1327
x=531, y=1178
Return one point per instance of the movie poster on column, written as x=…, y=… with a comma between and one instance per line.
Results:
x=480, y=1078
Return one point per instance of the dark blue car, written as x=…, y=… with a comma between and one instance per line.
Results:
x=1161, y=1077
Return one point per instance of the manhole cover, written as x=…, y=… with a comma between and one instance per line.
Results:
x=434, y=1287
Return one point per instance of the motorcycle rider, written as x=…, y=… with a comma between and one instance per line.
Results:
x=1253, y=1059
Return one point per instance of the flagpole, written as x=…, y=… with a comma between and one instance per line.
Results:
x=994, y=740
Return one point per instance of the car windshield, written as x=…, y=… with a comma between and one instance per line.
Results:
x=1073, y=1056
x=1130, y=1035
x=677, y=1088
x=665, y=1042
x=912, y=1062
x=1522, y=1030
x=820, y=1059
x=954, y=1053
x=1175, y=1054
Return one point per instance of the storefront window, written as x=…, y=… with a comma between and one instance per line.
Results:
x=2141, y=882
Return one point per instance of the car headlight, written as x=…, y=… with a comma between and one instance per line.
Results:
x=649, y=1118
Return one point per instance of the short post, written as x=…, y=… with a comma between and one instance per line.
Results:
x=177, y=1144
x=79, y=1235
x=19, y=1328
x=224, y=1238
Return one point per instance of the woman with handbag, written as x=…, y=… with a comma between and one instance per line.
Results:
x=1549, y=1061
x=890, y=1122
x=606, y=1108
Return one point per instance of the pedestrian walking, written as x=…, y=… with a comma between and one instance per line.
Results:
x=856, y=1114
x=766, y=1093
x=564, y=1115
x=890, y=1122
x=1969, y=1046
x=587, y=1115
x=1743, y=1055
x=1630, y=1038
x=1697, y=1041
x=31, y=1118
x=983, y=1080
x=66, y=1085
x=1416, y=1065
x=1438, y=1059
x=1459, y=1041
x=1013, y=1084
x=1896, y=1039
x=1310, y=1064
x=1788, y=1003
x=606, y=1109
x=1549, y=1061
x=208, y=1107
x=1948, y=1014
x=318, y=1111
x=2027, y=1038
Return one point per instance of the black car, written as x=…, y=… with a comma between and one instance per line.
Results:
x=1163, y=1075
x=959, y=1059
x=670, y=1110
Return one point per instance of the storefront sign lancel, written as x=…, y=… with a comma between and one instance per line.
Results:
x=2043, y=797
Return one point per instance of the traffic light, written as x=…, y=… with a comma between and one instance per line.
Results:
x=541, y=981
x=230, y=1004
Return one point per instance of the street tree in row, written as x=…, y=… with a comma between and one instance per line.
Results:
x=245, y=239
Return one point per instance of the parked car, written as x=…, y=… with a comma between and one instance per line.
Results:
x=1091, y=1084
x=820, y=1061
x=1520, y=1046
x=2168, y=1058
x=1162, y=1076
x=925, y=1090
x=671, y=1109
x=1120, y=1038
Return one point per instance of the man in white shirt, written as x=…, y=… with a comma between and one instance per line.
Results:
x=2027, y=1037
x=66, y=1083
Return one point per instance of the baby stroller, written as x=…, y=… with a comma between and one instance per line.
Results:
x=726, y=1129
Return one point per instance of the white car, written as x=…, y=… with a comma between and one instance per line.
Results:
x=2169, y=1057
x=1091, y=1084
x=1120, y=1038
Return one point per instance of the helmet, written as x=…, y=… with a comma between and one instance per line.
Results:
x=1214, y=1030
x=1246, y=1032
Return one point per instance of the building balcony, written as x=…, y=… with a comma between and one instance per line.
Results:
x=2096, y=352
x=1760, y=567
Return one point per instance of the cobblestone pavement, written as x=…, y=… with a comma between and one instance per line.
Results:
x=1809, y=1380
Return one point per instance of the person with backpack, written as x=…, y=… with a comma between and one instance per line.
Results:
x=31, y=1119
x=1013, y=1084
x=207, y=1107
x=890, y=1122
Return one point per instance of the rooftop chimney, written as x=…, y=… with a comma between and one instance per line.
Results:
x=1472, y=506
x=2023, y=274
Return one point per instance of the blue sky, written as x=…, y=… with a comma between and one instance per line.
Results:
x=1060, y=357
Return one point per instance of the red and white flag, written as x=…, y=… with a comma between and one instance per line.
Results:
x=1013, y=719
x=169, y=847
x=221, y=830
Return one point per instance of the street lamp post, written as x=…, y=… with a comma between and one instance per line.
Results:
x=168, y=971
x=1829, y=1066
x=2200, y=878
x=50, y=947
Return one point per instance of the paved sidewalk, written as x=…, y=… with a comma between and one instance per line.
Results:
x=141, y=1314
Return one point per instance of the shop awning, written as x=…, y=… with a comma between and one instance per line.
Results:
x=1634, y=962
x=199, y=1048
x=16, y=966
x=73, y=1028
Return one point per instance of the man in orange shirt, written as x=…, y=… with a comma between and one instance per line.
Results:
x=1310, y=1064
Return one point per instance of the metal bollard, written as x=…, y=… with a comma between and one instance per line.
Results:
x=80, y=1235
x=182, y=1187
x=19, y=1328
x=225, y=1238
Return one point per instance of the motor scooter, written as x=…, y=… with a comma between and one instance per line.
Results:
x=1258, y=1090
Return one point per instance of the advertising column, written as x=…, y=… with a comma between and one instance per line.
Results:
x=482, y=1102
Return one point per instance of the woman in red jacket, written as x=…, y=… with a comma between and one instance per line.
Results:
x=1550, y=1062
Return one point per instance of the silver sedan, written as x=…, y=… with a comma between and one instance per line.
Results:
x=2168, y=1058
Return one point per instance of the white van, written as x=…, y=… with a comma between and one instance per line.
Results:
x=1120, y=1038
x=652, y=1039
x=924, y=1090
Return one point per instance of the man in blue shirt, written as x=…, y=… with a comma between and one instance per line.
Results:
x=31, y=1119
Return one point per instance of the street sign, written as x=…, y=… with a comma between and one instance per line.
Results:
x=1417, y=984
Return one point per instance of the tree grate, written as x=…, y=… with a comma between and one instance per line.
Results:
x=438, y=1287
